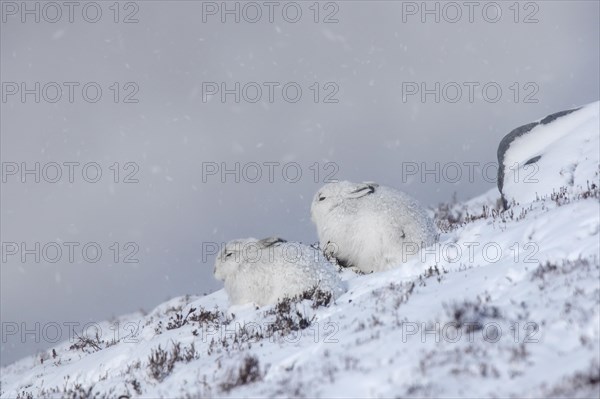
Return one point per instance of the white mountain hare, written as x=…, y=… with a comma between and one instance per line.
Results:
x=265, y=271
x=368, y=226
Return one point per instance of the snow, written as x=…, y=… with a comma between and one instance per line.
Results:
x=515, y=313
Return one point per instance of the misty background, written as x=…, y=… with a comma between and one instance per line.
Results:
x=175, y=131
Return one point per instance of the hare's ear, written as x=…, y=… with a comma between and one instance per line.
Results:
x=363, y=189
x=270, y=241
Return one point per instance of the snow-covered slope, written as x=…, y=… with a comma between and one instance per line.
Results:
x=506, y=304
x=405, y=332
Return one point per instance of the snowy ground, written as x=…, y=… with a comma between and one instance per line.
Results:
x=523, y=322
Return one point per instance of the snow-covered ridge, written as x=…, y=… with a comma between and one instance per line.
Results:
x=560, y=150
x=507, y=303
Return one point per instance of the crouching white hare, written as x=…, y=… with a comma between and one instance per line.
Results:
x=368, y=226
x=265, y=271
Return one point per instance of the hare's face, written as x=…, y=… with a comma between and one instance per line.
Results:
x=229, y=259
x=241, y=253
x=225, y=264
x=332, y=195
x=325, y=200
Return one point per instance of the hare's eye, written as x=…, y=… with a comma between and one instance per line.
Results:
x=321, y=198
x=228, y=254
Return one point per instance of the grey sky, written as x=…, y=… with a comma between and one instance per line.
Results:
x=373, y=132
